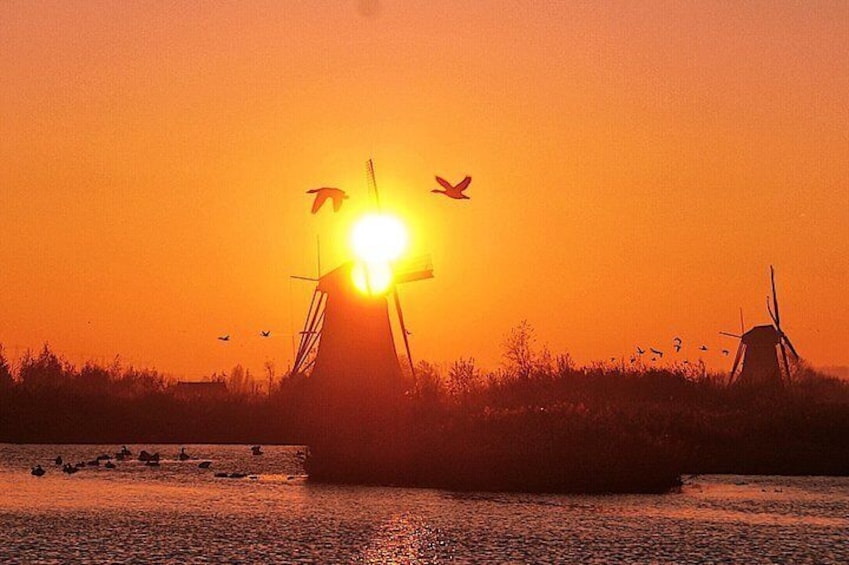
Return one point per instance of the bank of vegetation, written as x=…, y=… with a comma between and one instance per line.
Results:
x=538, y=423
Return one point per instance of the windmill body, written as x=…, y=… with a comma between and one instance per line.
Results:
x=356, y=351
x=763, y=349
x=760, y=361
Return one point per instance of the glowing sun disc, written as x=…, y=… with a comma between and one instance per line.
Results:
x=378, y=238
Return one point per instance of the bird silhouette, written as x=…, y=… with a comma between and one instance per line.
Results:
x=703, y=348
x=224, y=337
x=656, y=352
x=725, y=352
x=640, y=350
x=451, y=191
x=677, y=347
x=322, y=194
x=265, y=333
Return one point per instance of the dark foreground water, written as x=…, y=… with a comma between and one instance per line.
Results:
x=178, y=513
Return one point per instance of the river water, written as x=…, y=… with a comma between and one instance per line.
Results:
x=179, y=513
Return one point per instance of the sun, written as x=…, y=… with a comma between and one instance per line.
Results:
x=377, y=240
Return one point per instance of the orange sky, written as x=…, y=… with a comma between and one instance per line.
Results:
x=636, y=170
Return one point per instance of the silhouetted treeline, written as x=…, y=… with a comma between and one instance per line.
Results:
x=537, y=423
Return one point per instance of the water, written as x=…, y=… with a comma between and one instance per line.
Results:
x=178, y=513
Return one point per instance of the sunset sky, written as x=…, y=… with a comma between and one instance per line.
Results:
x=636, y=169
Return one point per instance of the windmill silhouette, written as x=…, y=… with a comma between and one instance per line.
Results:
x=759, y=348
x=347, y=340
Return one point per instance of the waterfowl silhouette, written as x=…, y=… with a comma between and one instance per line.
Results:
x=69, y=469
x=204, y=464
x=183, y=455
x=109, y=465
x=322, y=194
x=37, y=471
x=145, y=456
x=58, y=460
x=224, y=337
x=451, y=191
x=265, y=333
x=256, y=450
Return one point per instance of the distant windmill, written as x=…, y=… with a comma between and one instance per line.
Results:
x=757, y=348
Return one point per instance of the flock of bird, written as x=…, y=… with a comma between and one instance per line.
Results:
x=677, y=345
x=337, y=196
x=262, y=333
x=149, y=459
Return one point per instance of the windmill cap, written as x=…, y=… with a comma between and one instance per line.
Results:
x=761, y=335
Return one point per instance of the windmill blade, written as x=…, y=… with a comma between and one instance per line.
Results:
x=731, y=335
x=771, y=314
x=790, y=345
x=777, y=316
x=742, y=327
x=736, y=362
x=786, y=363
x=404, y=331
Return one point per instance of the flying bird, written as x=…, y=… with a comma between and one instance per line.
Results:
x=725, y=352
x=640, y=351
x=265, y=333
x=224, y=337
x=322, y=194
x=677, y=347
x=656, y=352
x=703, y=348
x=451, y=191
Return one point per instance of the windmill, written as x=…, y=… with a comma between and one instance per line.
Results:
x=347, y=343
x=760, y=346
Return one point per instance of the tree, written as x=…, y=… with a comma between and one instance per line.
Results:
x=519, y=355
x=6, y=379
x=47, y=371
